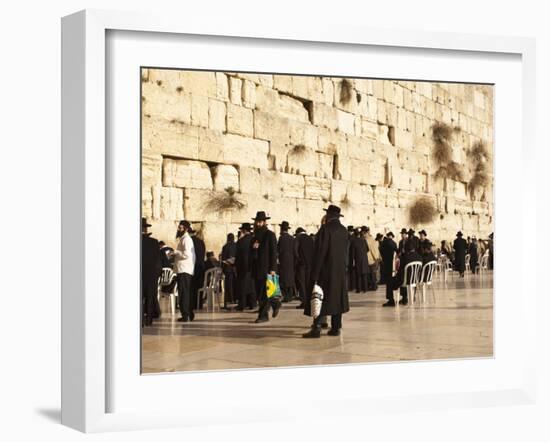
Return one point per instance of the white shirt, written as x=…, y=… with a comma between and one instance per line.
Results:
x=184, y=255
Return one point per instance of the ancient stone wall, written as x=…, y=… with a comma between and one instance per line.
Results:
x=290, y=145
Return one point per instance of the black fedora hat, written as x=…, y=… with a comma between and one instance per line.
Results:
x=144, y=222
x=390, y=234
x=185, y=224
x=411, y=231
x=350, y=228
x=334, y=210
x=285, y=225
x=423, y=232
x=261, y=216
x=403, y=230
x=300, y=230
x=364, y=229
x=246, y=226
x=459, y=233
x=379, y=236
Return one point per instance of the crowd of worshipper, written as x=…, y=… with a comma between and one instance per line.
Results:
x=336, y=258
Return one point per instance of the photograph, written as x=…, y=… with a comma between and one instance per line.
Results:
x=298, y=219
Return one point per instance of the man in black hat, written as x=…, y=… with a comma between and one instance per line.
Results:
x=402, y=241
x=360, y=261
x=264, y=261
x=184, y=264
x=388, y=250
x=473, y=251
x=350, y=268
x=303, y=259
x=198, y=275
x=229, y=251
x=414, y=239
x=329, y=272
x=245, y=283
x=151, y=268
x=460, y=247
x=285, y=249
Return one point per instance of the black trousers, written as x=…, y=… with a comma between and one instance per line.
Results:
x=245, y=291
x=151, y=308
x=372, y=284
x=387, y=275
x=229, y=286
x=361, y=282
x=288, y=293
x=185, y=294
x=303, y=283
x=263, y=300
x=335, y=321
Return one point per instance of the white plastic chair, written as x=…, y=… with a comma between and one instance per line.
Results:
x=166, y=278
x=427, y=278
x=211, y=290
x=411, y=278
x=467, y=261
x=448, y=268
x=483, y=265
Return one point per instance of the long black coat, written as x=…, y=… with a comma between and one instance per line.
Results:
x=285, y=248
x=401, y=247
x=245, y=284
x=472, y=250
x=263, y=259
x=329, y=268
x=200, y=255
x=388, y=249
x=305, y=249
x=150, y=259
x=461, y=246
x=359, y=253
x=416, y=242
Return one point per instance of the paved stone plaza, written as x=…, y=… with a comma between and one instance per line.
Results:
x=458, y=325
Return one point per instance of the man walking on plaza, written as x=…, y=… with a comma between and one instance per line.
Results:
x=285, y=249
x=329, y=272
x=184, y=263
x=245, y=283
x=263, y=257
x=304, y=261
x=461, y=248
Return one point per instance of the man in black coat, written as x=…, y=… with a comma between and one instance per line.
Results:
x=285, y=249
x=460, y=247
x=350, y=268
x=388, y=250
x=397, y=281
x=329, y=272
x=263, y=257
x=245, y=283
x=151, y=268
x=414, y=240
x=229, y=250
x=474, y=257
x=359, y=254
x=303, y=259
x=379, y=238
x=198, y=275
x=402, y=241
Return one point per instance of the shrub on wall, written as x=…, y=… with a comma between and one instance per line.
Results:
x=225, y=201
x=422, y=211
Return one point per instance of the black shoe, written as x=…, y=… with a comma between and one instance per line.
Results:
x=183, y=319
x=324, y=325
x=313, y=333
x=260, y=320
x=300, y=307
x=334, y=332
x=192, y=316
x=276, y=310
x=403, y=302
x=389, y=304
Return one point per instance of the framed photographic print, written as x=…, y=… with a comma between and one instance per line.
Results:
x=291, y=209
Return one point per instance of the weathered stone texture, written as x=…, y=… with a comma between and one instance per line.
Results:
x=290, y=145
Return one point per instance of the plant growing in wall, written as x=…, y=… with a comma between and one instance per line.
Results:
x=298, y=150
x=422, y=211
x=225, y=201
x=442, y=152
x=479, y=156
x=346, y=91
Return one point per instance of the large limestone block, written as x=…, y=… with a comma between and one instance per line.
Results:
x=342, y=167
x=383, y=219
x=250, y=180
x=222, y=86
x=283, y=83
x=414, y=161
x=346, y=122
x=235, y=90
x=317, y=188
x=369, y=129
x=369, y=172
x=328, y=91
x=293, y=185
x=271, y=128
x=147, y=201
x=338, y=190
x=225, y=176
x=361, y=194
x=386, y=197
x=325, y=116
x=199, y=110
x=284, y=209
x=166, y=80
x=167, y=203
x=170, y=138
x=158, y=103
x=186, y=174
x=401, y=178
x=278, y=153
x=384, y=134
x=240, y=120
x=211, y=145
x=288, y=107
x=325, y=167
x=245, y=151
x=249, y=94
x=265, y=80
x=331, y=142
x=309, y=211
x=199, y=82
x=360, y=148
x=214, y=235
x=309, y=162
x=216, y=115
x=266, y=98
x=303, y=133
x=151, y=169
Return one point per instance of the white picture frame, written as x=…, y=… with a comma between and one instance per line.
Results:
x=85, y=200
